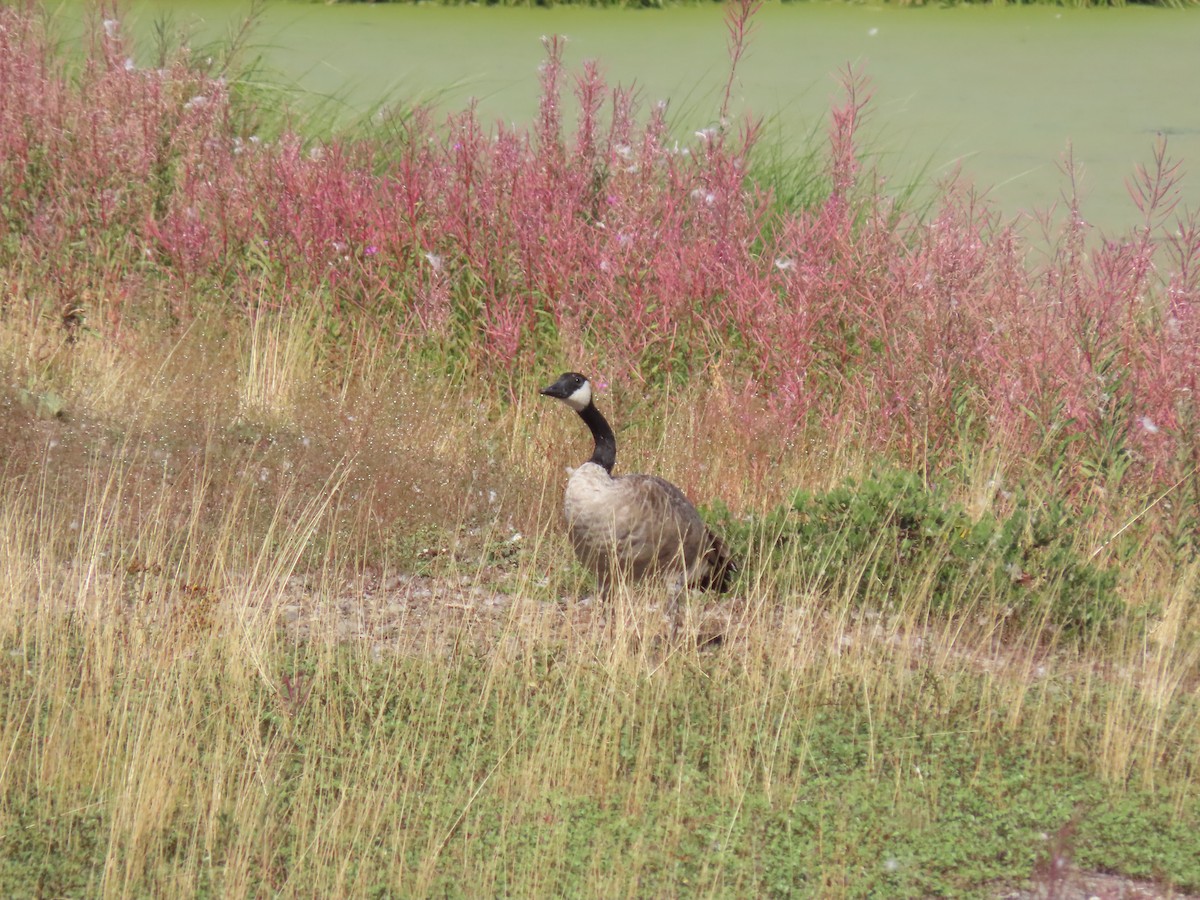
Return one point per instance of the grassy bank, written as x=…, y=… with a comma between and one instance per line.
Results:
x=329, y=650
x=286, y=607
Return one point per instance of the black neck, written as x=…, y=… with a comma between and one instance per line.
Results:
x=605, y=453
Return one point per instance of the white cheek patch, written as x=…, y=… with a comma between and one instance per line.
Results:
x=581, y=397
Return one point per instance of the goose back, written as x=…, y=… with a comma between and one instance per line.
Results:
x=639, y=526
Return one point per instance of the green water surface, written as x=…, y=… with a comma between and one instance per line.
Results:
x=1001, y=92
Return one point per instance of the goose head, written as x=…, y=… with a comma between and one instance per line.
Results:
x=572, y=389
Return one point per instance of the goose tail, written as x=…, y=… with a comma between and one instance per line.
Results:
x=720, y=566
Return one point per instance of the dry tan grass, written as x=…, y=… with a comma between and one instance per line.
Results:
x=201, y=510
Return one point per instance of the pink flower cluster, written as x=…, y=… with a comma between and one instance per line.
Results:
x=619, y=246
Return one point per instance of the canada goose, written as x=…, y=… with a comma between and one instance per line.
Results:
x=633, y=526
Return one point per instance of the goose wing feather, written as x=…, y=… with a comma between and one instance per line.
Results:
x=666, y=534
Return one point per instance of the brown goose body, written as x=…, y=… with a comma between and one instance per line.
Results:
x=633, y=527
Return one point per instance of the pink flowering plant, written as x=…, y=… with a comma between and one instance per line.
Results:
x=619, y=246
